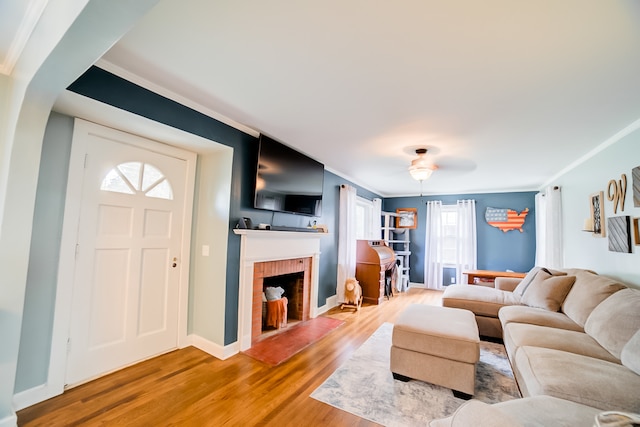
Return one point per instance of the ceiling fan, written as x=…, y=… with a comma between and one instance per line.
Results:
x=420, y=168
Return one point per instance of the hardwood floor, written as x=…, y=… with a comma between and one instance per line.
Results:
x=191, y=388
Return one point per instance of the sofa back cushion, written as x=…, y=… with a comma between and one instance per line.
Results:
x=587, y=292
x=530, y=276
x=614, y=321
x=547, y=291
x=631, y=353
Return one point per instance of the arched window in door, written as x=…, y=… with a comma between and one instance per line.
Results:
x=138, y=177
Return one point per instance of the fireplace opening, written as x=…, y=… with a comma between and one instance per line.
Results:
x=293, y=287
x=294, y=277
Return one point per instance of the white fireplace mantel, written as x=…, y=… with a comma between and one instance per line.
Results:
x=268, y=245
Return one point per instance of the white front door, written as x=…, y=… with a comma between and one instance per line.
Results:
x=127, y=276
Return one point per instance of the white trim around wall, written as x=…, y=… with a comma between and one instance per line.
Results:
x=607, y=143
x=9, y=421
x=132, y=124
x=34, y=395
x=215, y=350
x=162, y=91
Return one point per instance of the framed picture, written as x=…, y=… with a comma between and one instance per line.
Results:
x=597, y=214
x=620, y=234
x=406, y=217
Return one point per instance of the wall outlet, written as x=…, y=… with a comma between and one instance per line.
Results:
x=205, y=250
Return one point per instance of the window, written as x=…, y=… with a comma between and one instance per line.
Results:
x=451, y=242
x=137, y=177
x=449, y=217
x=364, y=213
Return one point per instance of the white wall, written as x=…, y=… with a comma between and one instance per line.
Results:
x=581, y=249
x=211, y=226
x=62, y=46
x=37, y=317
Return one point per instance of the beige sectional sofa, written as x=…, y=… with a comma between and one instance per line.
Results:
x=572, y=337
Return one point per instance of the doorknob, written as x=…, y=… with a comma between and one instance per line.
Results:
x=175, y=263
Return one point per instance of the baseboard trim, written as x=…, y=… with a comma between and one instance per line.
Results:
x=40, y=393
x=34, y=395
x=417, y=285
x=9, y=421
x=216, y=350
x=329, y=304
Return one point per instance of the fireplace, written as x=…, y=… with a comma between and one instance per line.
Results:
x=265, y=249
x=293, y=276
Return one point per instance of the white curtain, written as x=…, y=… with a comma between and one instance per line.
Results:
x=375, y=228
x=549, y=251
x=541, y=224
x=433, y=246
x=346, y=238
x=466, y=256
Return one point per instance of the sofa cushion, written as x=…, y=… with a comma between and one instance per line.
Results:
x=527, y=412
x=530, y=276
x=447, y=333
x=586, y=380
x=587, y=292
x=548, y=411
x=614, y=321
x=547, y=291
x=506, y=283
x=631, y=353
x=477, y=413
x=537, y=316
x=518, y=335
x=480, y=300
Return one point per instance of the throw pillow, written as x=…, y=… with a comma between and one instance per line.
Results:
x=615, y=320
x=547, y=291
x=630, y=356
x=526, y=281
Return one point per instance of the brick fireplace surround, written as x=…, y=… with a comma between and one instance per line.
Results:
x=298, y=299
x=260, y=249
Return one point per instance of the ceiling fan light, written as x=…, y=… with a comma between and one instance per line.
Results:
x=420, y=170
x=420, y=173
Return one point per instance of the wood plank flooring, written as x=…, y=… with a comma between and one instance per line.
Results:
x=188, y=387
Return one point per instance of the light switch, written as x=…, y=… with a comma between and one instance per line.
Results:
x=205, y=250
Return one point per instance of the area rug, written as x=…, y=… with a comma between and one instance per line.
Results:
x=364, y=385
x=280, y=347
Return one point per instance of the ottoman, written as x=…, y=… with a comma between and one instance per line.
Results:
x=439, y=345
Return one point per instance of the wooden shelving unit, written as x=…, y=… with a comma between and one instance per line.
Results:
x=398, y=240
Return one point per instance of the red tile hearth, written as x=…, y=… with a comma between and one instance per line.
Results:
x=280, y=347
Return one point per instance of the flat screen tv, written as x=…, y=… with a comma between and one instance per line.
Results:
x=287, y=180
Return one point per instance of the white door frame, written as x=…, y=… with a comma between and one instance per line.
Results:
x=62, y=316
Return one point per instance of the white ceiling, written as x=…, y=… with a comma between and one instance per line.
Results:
x=504, y=93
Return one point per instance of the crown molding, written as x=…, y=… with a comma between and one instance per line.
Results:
x=142, y=82
x=27, y=26
x=607, y=143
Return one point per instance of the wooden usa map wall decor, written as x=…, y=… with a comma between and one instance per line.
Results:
x=506, y=219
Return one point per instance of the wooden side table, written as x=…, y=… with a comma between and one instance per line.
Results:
x=490, y=274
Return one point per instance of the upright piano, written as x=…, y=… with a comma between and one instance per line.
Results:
x=375, y=265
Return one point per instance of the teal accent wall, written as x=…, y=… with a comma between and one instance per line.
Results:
x=497, y=250
x=507, y=251
x=105, y=87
